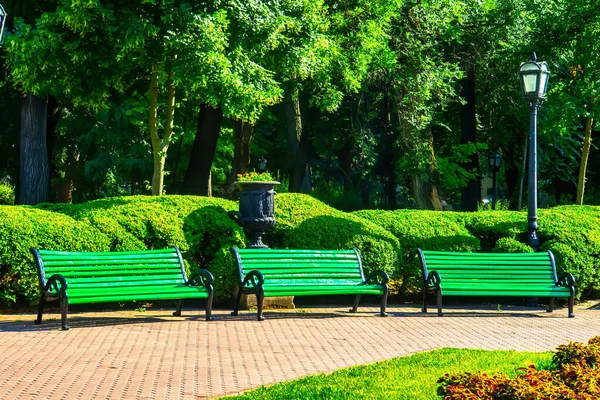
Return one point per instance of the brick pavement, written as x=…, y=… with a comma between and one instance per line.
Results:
x=153, y=355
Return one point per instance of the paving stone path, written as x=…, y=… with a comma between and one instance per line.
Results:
x=153, y=355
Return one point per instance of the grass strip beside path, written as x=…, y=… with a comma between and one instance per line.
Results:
x=413, y=377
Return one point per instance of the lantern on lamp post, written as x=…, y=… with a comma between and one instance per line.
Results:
x=2, y=21
x=262, y=164
x=534, y=82
x=495, y=161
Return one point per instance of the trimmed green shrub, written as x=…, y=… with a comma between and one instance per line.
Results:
x=199, y=226
x=24, y=227
x=428, y=230
x=304, y=222
x=510, y=245
x=572, y=233
x=7, y=193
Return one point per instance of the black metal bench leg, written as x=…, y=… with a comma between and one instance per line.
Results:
x=571, y=304
x=38, y=321
x=424, y=308
x=355, y=306
x=439, y=303
x=236, y=306
x=260, y=298
x=384, y=298
x=550, y=305
x=64, y=308
x=209, y=302
x=177, y=312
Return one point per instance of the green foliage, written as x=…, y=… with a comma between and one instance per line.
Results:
x=24, y=227
x=199, y=226
x=428, y=230
x=7, y=193
x=510, y=245
x=407, y=378
x=255, y=177
x=576, y=377
x=305, y=223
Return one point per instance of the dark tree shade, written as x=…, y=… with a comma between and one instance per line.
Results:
x=34, y=168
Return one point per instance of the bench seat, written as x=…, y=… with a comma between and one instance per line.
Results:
x=494, y=274
x=105, y=277
x=270, y=273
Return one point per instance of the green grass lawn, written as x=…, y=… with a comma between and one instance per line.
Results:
x=413, y=377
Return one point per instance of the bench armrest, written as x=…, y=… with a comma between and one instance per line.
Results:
x=433, y=279
x=566, y=279
x=201, y=277
x=56, y=285
x=253, y=279
x=378, y=277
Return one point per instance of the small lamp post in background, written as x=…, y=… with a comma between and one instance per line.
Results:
x=534, y=82
x=262, y=164
x=2, y=21
x=495, y=162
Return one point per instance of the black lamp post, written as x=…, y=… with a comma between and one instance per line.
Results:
x=262, y=164
x=534, y=81
x=2, y=20
x=495, y=161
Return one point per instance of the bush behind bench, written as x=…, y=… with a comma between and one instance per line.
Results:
x=199, y=226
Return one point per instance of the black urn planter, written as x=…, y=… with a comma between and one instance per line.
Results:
x=257, y=209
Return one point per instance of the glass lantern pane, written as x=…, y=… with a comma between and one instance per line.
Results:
x=543, y=83
x=530, y=83
x=529, y=72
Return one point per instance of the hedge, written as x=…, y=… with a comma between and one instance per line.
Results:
x=200, y=227
x=428, y=230
x=572, y=233
x=304, y=222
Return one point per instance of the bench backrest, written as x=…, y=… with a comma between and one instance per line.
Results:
x=513, y=267
x=308, y=266
x=91, y=267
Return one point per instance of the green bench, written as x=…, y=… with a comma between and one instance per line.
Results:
x=268, y=273
x=494, y=274
x=87, y=277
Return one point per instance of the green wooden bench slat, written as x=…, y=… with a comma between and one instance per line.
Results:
x=109, y=267
x=108, y=279
x=134, y=297
x=124, y=283
x=454, y=254
x=493, y=274
x=96, y=277
x=106, y=253
x=303, y=273
x=116, y=272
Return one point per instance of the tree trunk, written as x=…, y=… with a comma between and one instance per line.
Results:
x=160, y=145
x=584, y=160
x=388, y=153
x=300, y=179
x=66, y=186
x=471, y=194
x=34, y=182
x=425, y=193
x=294, y=125
x=426, y=189
x=197, y=177
x=242, y=133
x=157, y=177
x=53, y=114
